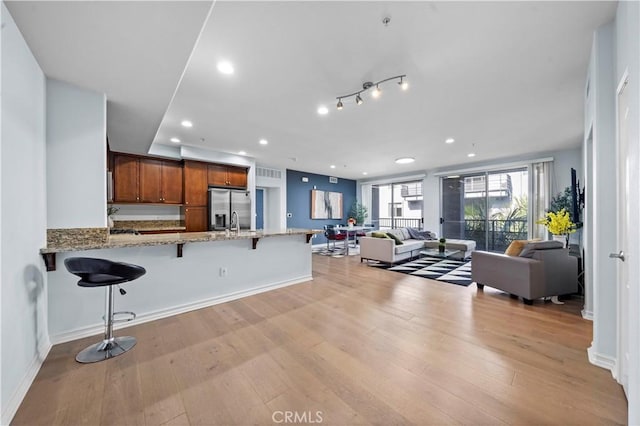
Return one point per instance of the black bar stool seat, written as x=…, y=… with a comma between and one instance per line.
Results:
x=99, y=273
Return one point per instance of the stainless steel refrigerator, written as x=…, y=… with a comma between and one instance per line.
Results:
x=222, y=204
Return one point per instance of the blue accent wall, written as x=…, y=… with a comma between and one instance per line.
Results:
x=299, y=200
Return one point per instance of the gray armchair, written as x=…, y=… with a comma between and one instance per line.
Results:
x=543, y=269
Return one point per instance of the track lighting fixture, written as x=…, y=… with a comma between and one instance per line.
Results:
x=376, y=92
x=403, y=84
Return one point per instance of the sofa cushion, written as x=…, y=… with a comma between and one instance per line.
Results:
x=395, y=238
x=531, y=248
x=515, y=248
x=397, y=232
x=405, y=233
x=378, y=234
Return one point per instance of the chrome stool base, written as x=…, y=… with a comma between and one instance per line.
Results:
x=106, y=349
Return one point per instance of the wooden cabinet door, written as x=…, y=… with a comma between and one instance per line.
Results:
x=150, y=180
x=125, y=179
x=217, y=175
x=195, y=219
x=195, y=183
x=172, y=182
x=237, y=176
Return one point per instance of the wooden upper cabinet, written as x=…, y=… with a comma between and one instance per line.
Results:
x=195, y=183
x=222, y=175
x=172, y=182
x=146, y=180
x=150, y=180
x=217, y=175
x=237, y=176
x=125, y=179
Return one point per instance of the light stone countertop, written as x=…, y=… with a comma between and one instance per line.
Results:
x=129, y=240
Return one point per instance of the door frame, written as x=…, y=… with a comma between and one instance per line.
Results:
x=622, y=226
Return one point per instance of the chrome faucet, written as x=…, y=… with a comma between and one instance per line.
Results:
x=235, y=222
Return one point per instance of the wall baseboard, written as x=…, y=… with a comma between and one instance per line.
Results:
x=20, y=392
x=588, y=315
x=603, y=361
x=95, y=329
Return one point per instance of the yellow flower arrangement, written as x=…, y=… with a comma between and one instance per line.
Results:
x=558, y=223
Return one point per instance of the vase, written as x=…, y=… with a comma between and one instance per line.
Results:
x=564, y=239
x=441, y=248
x=110, y=221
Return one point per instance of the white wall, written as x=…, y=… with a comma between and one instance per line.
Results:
x=602, y=208
x=23, y=219
x=628, y=60
x=76, y=157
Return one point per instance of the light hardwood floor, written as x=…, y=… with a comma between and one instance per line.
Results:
x=357, y=345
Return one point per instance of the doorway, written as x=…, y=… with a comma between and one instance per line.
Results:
x=259, y=208
x=490, y=208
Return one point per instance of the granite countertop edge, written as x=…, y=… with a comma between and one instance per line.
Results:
x=128, y=240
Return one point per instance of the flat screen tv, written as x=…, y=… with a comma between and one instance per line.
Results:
x=577, y=198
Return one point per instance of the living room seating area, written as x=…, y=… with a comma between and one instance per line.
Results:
x=395, y=245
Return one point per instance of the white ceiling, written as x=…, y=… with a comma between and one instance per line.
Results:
x=502, y=78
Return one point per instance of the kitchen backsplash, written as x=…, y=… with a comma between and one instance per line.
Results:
x=128, y=212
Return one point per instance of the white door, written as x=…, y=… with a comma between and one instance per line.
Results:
x=622, y=226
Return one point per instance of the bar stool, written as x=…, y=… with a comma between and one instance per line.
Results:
x=98, y=273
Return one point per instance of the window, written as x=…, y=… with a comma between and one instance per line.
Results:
x=395, y=209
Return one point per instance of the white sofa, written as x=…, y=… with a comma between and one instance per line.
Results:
x=386, y=250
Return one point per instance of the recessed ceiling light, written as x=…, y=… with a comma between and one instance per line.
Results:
x=175, y=140
x=332, y=166
x=365, y=173
x=323, y=110
x=225, y=67
x=263, y=142
x=405, y=160
x=242, y=152
x=187, y=123
x=471, y=154
x=449, y=140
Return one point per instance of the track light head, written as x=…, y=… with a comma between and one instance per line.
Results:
x=339, y=105
x=358, y=99
x=376, y=92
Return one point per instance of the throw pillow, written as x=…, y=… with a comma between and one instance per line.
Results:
x=379, y=235
x=396, y=239
x=515, y=248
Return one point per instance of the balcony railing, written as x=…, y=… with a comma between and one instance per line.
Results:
x=399, y=222
x=501, y=233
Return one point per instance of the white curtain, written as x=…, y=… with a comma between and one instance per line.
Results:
x=365, y=200
x=541, y=197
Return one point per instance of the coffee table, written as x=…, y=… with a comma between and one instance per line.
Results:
x=437, y=253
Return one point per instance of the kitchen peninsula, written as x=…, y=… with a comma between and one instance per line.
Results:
x=185, y=271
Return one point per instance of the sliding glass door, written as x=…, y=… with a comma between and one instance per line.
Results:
x=397, y=205
x=490, y=208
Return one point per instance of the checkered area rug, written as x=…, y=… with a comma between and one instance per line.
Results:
x=447, y=270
